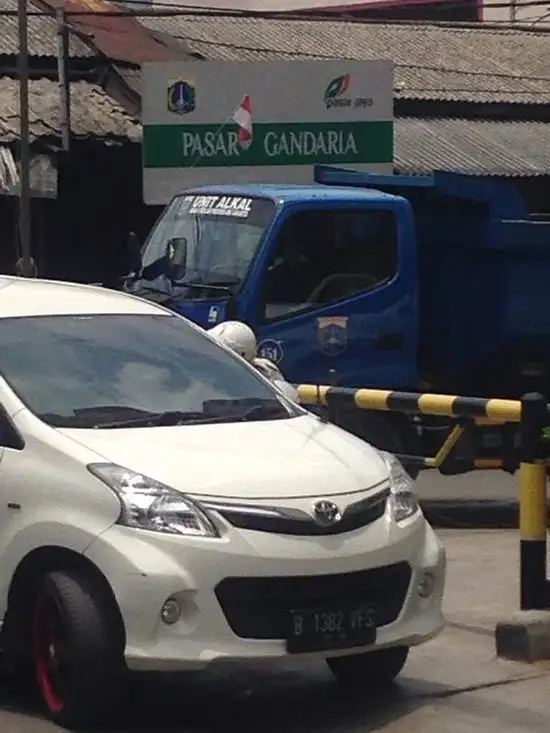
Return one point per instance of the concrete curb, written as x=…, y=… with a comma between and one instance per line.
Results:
x=471, y=513
x=525, y=637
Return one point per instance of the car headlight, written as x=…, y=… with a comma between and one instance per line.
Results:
x=403, y=499
x=149, y=504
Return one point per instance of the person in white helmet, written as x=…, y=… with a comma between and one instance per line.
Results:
x=241, y=339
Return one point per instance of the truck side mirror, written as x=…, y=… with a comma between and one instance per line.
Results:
x=133, y=252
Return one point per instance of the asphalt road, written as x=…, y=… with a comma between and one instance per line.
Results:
x=451, y=684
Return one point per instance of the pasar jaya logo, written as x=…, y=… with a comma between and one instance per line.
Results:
x=335, y=91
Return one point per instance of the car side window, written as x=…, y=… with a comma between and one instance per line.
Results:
x=324, y=256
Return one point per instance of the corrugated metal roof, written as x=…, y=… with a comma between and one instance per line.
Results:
x=436, y=61
x=479, y=147
x=42, y=34
x=118, y=37
x=93, y=112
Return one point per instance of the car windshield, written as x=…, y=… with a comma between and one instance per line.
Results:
x=213, y=239
x=109, y=371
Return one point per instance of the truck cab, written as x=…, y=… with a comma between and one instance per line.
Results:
x=325, y=275
x=432, y=283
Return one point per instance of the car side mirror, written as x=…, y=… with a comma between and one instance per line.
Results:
x=133, y=252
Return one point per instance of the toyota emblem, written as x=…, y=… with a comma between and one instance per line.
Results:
x=326, y=513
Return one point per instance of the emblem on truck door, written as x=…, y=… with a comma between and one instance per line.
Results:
x=326, y=513
x=332, y=333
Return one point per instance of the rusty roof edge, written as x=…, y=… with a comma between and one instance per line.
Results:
x=108, y=78
x=118, y=38
x=50, y=6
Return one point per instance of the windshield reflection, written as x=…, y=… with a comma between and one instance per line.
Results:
x=205, y=240
x=130, y=370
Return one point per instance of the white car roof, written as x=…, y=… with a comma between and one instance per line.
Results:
x=36, y=297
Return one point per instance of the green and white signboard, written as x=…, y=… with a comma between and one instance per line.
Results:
x=209, y=122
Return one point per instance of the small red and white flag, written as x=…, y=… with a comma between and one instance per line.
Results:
x=243, y=117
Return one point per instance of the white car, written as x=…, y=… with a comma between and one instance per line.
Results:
x=165, y=508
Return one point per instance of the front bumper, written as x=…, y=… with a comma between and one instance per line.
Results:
x=145, y=569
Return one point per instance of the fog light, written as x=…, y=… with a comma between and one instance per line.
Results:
x=426, y=585
x=170, y=611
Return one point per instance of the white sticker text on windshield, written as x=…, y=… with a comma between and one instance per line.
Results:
x=219, y=205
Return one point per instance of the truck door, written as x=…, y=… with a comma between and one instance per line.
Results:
x=336, y=290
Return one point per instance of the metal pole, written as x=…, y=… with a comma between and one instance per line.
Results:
x=64, y=89
x=24, y=146
x=332, y=410
x=513, y=11
x=532, y=504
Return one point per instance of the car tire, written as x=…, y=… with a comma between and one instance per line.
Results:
x=377, y=669
x=77, y=651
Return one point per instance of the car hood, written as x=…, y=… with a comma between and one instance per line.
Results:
x=299, y=457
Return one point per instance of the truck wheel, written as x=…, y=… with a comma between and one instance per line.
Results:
x=376, y=669
x=376, y=430
x=77, y=652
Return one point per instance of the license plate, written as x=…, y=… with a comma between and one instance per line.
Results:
x=331, y=628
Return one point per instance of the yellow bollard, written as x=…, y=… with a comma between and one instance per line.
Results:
x=532, y=504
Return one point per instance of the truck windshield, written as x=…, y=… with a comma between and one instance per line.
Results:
x=208, y=239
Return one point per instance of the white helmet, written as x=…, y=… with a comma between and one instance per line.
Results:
x=237, y=336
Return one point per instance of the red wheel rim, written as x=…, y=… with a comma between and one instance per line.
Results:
x=48, y=646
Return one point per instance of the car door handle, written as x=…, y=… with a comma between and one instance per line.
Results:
x=389, y=342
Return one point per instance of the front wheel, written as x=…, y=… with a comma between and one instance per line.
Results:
x=77, y=650
x=377, y=669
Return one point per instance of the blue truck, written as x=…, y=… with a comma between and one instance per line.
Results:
x=436, y=283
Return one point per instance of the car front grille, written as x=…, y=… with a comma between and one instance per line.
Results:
x=283, y=521
x=258, y=608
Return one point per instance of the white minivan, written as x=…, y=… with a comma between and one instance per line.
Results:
x=165, y=508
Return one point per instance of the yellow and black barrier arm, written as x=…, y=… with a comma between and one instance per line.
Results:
x=466, y=409
x=496, y=410
x=532, y=414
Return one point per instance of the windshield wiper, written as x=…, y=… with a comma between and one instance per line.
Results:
x=158, y=419
x=166, y=298
x=89, y=417
x=122, y=416
x=270, y=411
x=172, y=418
x=241, y=410
x=201, y=286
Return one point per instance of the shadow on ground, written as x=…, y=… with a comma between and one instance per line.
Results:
x=282, y=698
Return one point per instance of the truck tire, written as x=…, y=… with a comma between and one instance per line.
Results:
x=372, y=669
x=78, y=657
x=377, y=430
